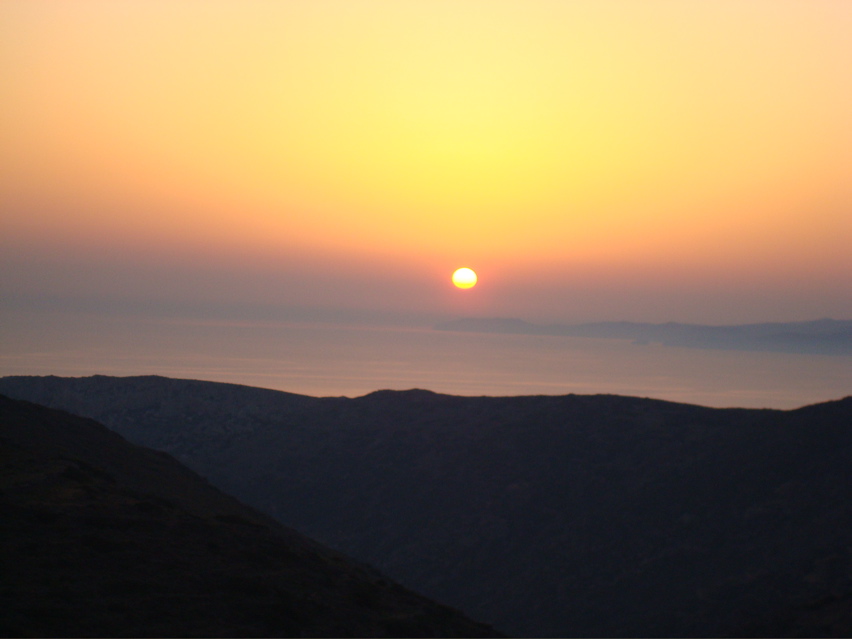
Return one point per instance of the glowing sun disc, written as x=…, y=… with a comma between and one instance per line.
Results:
x=464, y=278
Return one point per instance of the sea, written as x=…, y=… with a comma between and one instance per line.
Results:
x=339, y=359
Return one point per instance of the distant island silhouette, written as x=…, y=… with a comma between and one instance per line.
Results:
x=817, y=337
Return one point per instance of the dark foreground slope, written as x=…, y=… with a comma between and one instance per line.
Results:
x=573, y=515
x=99, y=537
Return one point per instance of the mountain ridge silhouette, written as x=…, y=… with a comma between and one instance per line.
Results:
x=101, y=537
x=565, y=515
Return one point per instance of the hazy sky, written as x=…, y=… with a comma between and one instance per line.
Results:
x=653, y=160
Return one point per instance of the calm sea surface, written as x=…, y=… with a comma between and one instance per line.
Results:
x=334, y=360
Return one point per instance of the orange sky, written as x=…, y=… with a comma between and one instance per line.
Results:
x=591, y=160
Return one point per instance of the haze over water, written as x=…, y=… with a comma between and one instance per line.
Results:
x=335, y=160
x=323, y=359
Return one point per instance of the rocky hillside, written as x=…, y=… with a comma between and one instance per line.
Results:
x=544, y=516
x=99, y=537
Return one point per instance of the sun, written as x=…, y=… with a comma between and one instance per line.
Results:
x=464, y=278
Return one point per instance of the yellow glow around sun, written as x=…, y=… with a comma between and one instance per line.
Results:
x=577, y=135
x=464, y=278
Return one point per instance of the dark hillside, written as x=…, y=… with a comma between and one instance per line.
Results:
x=545, y=516
x=99, y=537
